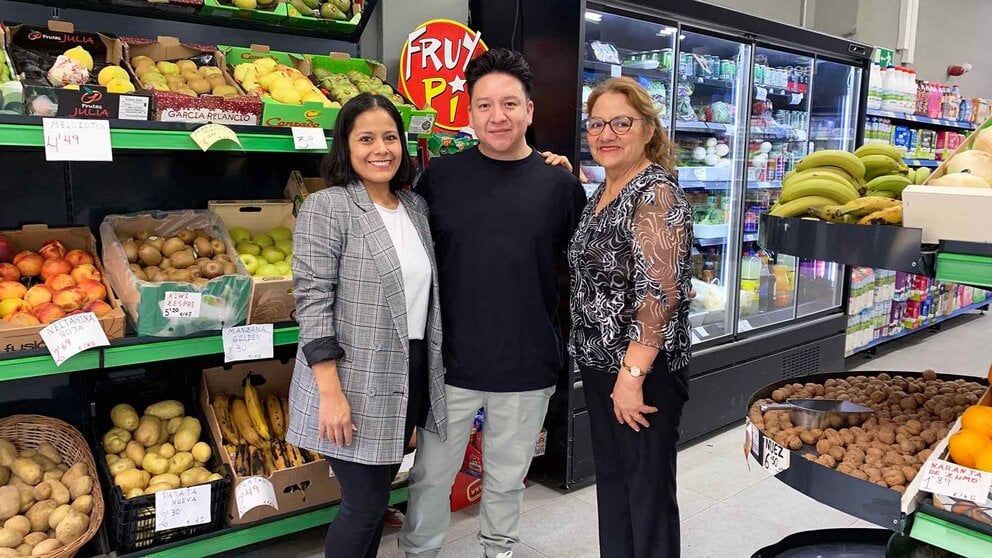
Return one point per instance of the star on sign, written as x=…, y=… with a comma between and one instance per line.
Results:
x=457, y=84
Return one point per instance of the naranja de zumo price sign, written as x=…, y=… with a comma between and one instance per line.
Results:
x=432, y=69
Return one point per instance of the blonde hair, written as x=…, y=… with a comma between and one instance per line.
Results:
x=659, y=148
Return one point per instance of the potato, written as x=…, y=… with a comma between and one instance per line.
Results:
x=134, y=493
x=9, y=553
x=149, y=431
x=35, y=538
x=72, y=527
x=60, y=493
x=27, y=470
x=81, y=486
x=167, y=450
x=122, y=465
x=50, y=452
x=155, y=463
x=10, y=502
x=173, y=425
x=135, y=451
x=83, y=504
x=8, y=453
x=39, y=513
x=18, y=523
x=113, y=458
x=46, y=546
x=153, y=488
x=214, y=477
x=194, y=476
x=58, y=515
x=127, y=480
x=165, y=410
x=188, y=434
x=163, y=432
x=167, y=478
x=201, y=452
x=10, y=538
x=42, y=492
x=124, y=416
x=4, y=475
x=24, y=550
x=115, y=440
x=180, y=462
x=157, y=448
x=26, y=493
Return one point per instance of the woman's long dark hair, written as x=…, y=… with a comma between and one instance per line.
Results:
x=336, y=167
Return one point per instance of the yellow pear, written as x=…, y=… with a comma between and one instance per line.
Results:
x=185, y=65
x=225, y=91
x=265, y=65
x=167, y=68
x=286, y=95
x=140, y=60
x=246, y=4
x=302, y=85
x=120, y=86
x=111, y=72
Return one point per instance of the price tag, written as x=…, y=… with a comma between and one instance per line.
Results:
x=774, y=458
x=796, y=98
x=948, y=479
x=760, y=93
x=184, y=507
x=207, y=135
x=181, y=305
x=73, y=334
x=615, y=70
x=751, y=438
x=249, y=342
x=253, y=492
x=67, y=139
x=309, y=138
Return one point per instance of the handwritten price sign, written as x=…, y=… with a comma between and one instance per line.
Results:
x=184, y=507
x=69, y=139
x=774, y=458
x=209, y=134
x=253, y=492
x=73, y=334
x=181, y=305
x=250, y=342
x=948, y=479
x=309, y=138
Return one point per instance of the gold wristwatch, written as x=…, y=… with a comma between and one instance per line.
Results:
x=635, y=371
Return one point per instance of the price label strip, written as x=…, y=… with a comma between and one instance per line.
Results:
x=72, y=335
x=309, y=138
x=209, y=134
x=184, y=507
x=253, y=492
x=249, y=342
x=948, y=479
x=68, y=139
x=178, y=304
x=774, y=458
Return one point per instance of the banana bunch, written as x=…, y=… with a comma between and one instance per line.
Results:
x=824, y=178
x=254, y=431
x=869, y=210
x=884, y=161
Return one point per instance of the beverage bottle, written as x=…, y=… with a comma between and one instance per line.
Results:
x=900, y=90
x=910, y=91
x=766, y=288
x=875, y=87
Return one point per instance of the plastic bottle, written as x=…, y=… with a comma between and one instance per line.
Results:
x=888, y=79
x=911, y=90
x=875, y=87
x=899, y=87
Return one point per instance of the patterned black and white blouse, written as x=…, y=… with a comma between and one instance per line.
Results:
x=631, y=273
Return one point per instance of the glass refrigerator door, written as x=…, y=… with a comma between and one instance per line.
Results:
x=833, y=125
x=710, y=121
x=779, y=138
x=621, y=46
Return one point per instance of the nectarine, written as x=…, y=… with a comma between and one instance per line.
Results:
x=59, y=282
x=98, y=307
x=12, y=289
x=94, y=290
x=28, y=263
x=70, y=299
x=6, y=251
x=79, y=257
x=22, y=319
x=38, y=295
x=10, y=305
x=9, y=272
x=85, y=271
x=49, y=312
x=52, y=249
x=54, y=266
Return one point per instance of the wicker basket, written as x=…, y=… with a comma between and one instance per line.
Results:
x=28, y=431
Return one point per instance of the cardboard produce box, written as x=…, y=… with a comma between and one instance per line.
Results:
x=241, y=109
x=301, y=17
x=11, y=92
x=31, y=237
x=28, y=45
x=298, y=188
x=272, y=296
x=275, y=12
x=296, y=488
x=222, y=301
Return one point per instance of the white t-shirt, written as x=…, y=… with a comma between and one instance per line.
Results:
x=414, y=264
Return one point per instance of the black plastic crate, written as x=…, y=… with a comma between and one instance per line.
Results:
x=131, y=521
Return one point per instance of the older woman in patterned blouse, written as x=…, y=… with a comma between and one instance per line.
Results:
x=630, y=268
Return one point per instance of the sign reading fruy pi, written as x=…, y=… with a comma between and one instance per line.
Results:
x=432, y=69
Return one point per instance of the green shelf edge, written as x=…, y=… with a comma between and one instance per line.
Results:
x=43, y=365
x=242, y=537
x=949, y=536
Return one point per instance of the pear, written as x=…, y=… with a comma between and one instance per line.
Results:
x=343, y=5
x=330, y=11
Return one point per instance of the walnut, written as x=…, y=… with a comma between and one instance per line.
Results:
x=886, y=436
x=837, y=452
x=914, y=427
x=779, y=395
x=908, y=472
x=823, y=446
x=826, y=461
x=855, y=456
x=893, y=477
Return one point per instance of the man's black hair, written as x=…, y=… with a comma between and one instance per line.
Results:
x=499, y=60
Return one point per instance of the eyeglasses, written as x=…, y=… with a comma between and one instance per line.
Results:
x=620, y=125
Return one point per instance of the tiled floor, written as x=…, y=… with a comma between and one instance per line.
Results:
x=728, y=509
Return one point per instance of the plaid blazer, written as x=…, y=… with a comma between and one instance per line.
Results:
x=348, y=286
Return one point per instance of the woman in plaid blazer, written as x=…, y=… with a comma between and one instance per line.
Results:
x=368, y=370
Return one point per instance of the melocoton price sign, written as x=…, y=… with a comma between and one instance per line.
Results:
x=68, y=139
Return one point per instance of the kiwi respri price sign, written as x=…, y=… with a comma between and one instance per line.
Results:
x=432, y=69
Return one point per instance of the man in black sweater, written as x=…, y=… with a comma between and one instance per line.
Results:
x=501, y=220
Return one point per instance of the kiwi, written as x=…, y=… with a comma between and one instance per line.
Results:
x=186, y=235
x=202, y=234
x=182, y=260
x=229, y=268
x=201, y=282
x=123, y=235
x=131, y=251
x=182, y=275
x=203, y=248
x=212, y=269
x=159, y=277
x=219, y=246
x=149, y=255
x=139, y=274
x=172, y=245
x=201, y=261
x=134, y=267
x=194, y=271
x=152, y=270
x=142, y=234
x=156, y=241
x=222, y=258
x=166, y=262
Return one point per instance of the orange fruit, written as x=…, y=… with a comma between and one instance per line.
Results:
x=983, y=461
x=966, y=445
x=978, y=418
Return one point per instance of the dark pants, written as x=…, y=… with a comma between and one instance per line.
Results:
x=357, y=530
x=635, y=471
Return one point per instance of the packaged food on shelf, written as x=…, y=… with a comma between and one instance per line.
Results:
x=262, y=232
x=236, y=408
x=268, y=11
x=47, y=274
x=11, y=91
x=175, y=271
x=299, y=187
x=74, y=82
x=189, y=82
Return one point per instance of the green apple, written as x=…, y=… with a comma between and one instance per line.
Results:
x=281, y=233
x=283, y=268
x=240, y=234
x=267, y=270
x=272, y=255
x=250, y=262
x=263, y=240
x=285, y=245
x=246, y=247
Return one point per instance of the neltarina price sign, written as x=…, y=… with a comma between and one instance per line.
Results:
x=73, y=334
x=432, y=69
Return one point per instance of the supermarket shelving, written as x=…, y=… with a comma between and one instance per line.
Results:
x=949, y=536
x=922, y=163
x=957, y=124
x=959, y=312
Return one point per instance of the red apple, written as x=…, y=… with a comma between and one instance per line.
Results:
x=59, y=282
x=12, y=289
x=28, y=263
x=38, y=295
x=94, y=290
x=9, y=272
x=52, y=249
x=79, y=257
x=22, y=319
x=48, y=313
x=70, y=299
x=98, y=307
x=85, y=271
x=6, y=251
x=53, y=267
x=10, y=305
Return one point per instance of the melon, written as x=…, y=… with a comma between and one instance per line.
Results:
x=983, y=140
x=974, y=162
